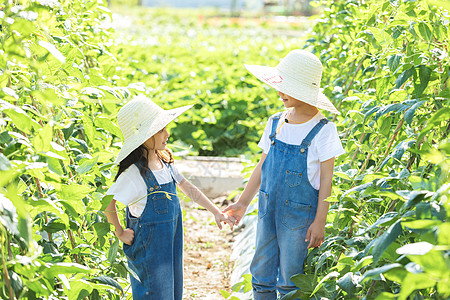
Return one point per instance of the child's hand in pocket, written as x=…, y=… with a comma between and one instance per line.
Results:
x=222, y=218
x=127, y=236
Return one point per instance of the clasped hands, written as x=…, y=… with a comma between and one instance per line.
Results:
x=315, y=234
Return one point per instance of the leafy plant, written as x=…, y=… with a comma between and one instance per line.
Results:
x=56, y=137
x=386, y=68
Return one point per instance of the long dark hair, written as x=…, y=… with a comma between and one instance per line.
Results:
x=140, y=154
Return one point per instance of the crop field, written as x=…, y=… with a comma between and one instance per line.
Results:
x=66, y=70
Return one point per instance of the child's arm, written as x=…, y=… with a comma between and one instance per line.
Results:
x=198, y=197
x=127, y=235
x=316, y=232
x=237, y=210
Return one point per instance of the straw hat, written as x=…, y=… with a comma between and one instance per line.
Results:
x=139, y=120
x=298, y=75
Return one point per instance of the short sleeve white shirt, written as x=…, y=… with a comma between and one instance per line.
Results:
x=324, y=146
x=131, y=190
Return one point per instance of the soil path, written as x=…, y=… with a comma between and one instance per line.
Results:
x=207, y=251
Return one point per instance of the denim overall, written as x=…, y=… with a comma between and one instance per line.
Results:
x=156, y=255
x=287, y=207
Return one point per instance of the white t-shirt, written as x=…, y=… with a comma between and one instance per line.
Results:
x=131, y=190
x=325, y=145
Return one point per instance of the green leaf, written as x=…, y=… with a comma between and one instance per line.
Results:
x=106, y=200
x=54, y=225
x=10, y=92
x=414, y=282
x=403, y=77
x=86, y=165
x=380, y=35
x=102, y=228
x=293, y=295
x=393, y=62
x=349, y=282
x=440, y=3
x=306, y=282
x=20, y=118
x=419, y=248
x=112, y=253
x=52, y=49
x=441, y=115
x=41, y=141
x=444, y=234
x=319, y=286
x=54, y=165
x=66, y=268
x=374, y=273
x=386, y=296
x=225, y=294
x=109, y=126
x=409, y=114
x=387, y=217
x=74, y=191
x=421, y=224
x=5, y=164
x=48, y=95
x=89, y=129
x=79, y=289
x=108, y=281
x=425, y=31
x=383, y=242
x=424, y=76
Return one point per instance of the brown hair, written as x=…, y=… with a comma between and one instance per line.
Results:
x=140, y=154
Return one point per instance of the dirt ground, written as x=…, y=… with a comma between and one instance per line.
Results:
x=207, y=251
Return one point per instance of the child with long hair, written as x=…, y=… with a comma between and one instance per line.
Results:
x=146, y=183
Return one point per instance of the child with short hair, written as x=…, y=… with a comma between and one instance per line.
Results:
x=146, y=182
x=294, y=175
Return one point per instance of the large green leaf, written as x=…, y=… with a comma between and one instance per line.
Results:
x=383, y=242
x=53, y=50
x=87, y=165
x=108, y=281
x=414, y=282
x=108, y=125
x=74, y=191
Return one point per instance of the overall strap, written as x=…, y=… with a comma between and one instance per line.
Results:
x=273, y=132
x=307, y=140
x=149, y=178
x=172, y=174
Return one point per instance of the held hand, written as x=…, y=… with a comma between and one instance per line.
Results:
x=127, y=236
x=315, y=234
x=221, y=218
x=235, y=212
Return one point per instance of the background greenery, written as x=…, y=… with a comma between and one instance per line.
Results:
x=64, y=74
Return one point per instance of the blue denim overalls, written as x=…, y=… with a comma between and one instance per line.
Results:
x=287, y=207
x=156, y=254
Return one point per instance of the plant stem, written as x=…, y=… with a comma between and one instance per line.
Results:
x=363, y=167
x=41, y=195
x=357, y=150
x=7, y=279
x=75, y=256
x=354, y=75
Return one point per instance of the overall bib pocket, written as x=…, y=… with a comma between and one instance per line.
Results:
x=160, y=204
x=296, y=215
x=262, y=203
x=293, y=178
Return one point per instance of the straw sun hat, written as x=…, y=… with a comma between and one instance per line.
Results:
x=298, y=75
x=139, y=120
